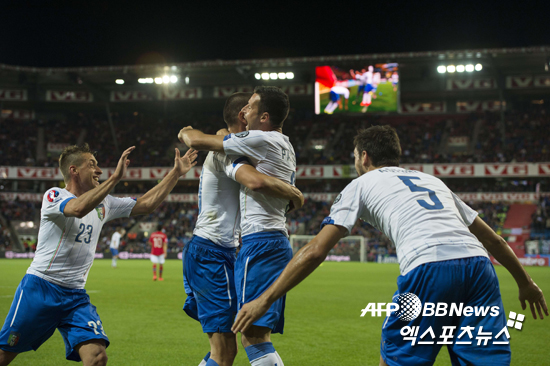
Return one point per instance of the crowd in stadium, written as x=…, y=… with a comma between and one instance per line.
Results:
x=423, y=137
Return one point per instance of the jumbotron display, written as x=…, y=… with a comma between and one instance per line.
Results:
x=370, y=88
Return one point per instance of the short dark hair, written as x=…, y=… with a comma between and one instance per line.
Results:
x=159, y=227
x=233, y=106
x=72, y=155
x=381, y=144
x=275, y=102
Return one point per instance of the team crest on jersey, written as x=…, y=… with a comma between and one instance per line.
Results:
x=13, y=338
x=52, y=195
x=337, y=199
x=242, y=134
x=100, y=211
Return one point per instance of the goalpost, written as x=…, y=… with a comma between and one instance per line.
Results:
x=351, y=248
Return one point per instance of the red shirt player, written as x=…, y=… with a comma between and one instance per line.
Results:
x=159, y=248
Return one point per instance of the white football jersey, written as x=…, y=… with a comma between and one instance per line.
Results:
x=219, y=217
x=340, y=90
x=66, y=245
x=272, y=154
x=115, y=240
x=416, y=211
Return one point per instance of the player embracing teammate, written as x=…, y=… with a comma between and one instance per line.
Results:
x=265, y=246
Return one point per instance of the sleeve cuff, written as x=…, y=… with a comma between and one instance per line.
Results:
x=64, y=203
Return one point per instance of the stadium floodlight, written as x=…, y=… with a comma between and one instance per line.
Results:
x=273, y=76
x=470, y=68
x=479, y=67
x=166, y=79
x=460, y=68
x=441, y=69
x=265, y=76
x=187, y=80
x=290, y=75
x=173, y=79
x=119, y=81
x=451, y=68
x=146, y=80
x=282, y=75
x=158, y=80
x=257, y=76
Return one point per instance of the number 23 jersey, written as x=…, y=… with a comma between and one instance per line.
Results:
x=66, y=245
x=416, y=211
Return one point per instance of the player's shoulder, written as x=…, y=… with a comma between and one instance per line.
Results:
x=56, y=194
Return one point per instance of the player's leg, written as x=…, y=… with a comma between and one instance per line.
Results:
x=260, y=262
x=92, y=352
x=6, y=357
x=223, y=349
x=482, y=285
x=208, y=272
x=154, y=260
x=82, y=329
x=32, y=318
x=259, y=349
x=382, y=362
x=161, y=267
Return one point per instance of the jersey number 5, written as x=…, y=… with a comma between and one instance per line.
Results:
x=414, y=188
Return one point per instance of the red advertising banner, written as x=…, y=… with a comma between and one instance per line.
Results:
x=18, y=115
x=477, y=106
x=129, y=96
x=471, y=84
x=226, y=91
x=180, y=94
x=309, y=171
x=523, y=82
x=68, y=96
x=18, y=95
x=424, y=107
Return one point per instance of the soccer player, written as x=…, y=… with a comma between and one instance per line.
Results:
x=52, y=294
x=335, y=101
x=209, y=259
x=115, y=242
x=442, y=249
x=159, y=249
x=265, y=246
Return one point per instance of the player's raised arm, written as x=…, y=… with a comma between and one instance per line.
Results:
x=198, y=140
x=81, y=206
x=249, y=177
x=152, y=199
x=497, y=246
x=301, y=266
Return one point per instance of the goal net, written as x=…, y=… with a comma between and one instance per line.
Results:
x=351, y=248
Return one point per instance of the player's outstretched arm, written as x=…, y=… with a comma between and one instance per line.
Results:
x=249, y=177
x=86, y=202
x=198, y=140
x=497, y=246
x=152, y=199
x=301, y=266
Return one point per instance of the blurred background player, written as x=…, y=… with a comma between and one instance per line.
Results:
x=115, y=243
x=52, y=294
x=159, y=249
x=265, y=246
x=209, y=259
x=335, y=101
x=442, y=249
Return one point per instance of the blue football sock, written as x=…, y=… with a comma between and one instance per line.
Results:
x=263, y=354
x=211, y=362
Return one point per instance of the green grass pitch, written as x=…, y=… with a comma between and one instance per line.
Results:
x=146, y=325
x=385, y=101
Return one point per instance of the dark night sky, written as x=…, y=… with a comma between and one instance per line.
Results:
x=71, y=33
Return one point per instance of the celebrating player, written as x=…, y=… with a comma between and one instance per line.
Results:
x=440, y=244
x=212, y=250
x=115, y=242
x=265, y=246
x=52, y=295
x=159, y=249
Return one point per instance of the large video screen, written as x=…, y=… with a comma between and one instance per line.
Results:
x=368, y=88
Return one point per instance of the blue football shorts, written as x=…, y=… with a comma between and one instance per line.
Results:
x=113, y=251
x=470, y=281
x=39, y=307
x=262, y=258
x=209, y=283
